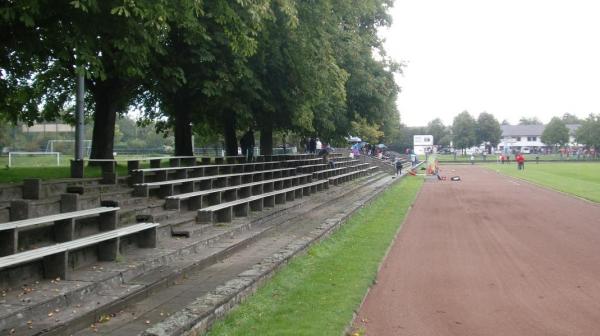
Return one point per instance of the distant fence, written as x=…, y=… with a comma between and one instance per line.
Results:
x=491, y=158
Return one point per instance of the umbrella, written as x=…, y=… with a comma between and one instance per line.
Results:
x=381, y=146
x=354, y=139
x=359, y=145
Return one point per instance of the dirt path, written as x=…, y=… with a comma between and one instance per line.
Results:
x=490, y=255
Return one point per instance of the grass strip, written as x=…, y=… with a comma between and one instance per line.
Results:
x=317, y=293
x=18, y=174
x=580, y=179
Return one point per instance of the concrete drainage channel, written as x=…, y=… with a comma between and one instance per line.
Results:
x=197, y=317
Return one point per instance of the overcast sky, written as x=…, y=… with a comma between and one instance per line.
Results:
x=511, y=58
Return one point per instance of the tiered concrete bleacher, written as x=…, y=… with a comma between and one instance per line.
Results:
x=225, y=212
x=170, y=187
x=362, y=170
x=207, y=197
x=174, y=161
x=166, y=173
x=221, y=192
x=74, y=248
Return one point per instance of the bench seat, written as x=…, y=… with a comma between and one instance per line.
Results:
x=64, y=226
x=335, y=180
x=165, y=173
x=225, y=212
x=311, y=168
x=167, y=188
x=203, y=198
x=327, y=173
x=56, y=257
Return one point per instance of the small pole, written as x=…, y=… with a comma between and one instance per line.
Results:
x=79, y=125
x=77, y=163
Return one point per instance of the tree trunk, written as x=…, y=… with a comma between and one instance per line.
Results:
x=183, y=130
x=105, y=97
x=231, y=144
x=266, y=138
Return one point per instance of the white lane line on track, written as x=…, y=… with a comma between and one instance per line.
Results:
x=514, y=182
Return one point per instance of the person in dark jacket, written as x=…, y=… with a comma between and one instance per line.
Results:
x=312, y=146
x=398, y=164
x=247, y=145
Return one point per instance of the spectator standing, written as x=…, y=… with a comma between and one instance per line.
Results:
x=247, y=145
x=312, y=146
x=398, y=164
x=520, y=161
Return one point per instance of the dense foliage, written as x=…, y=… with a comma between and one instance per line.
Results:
x=555, y=133
x=589, y=132
x=464, y=129
x=210, y=68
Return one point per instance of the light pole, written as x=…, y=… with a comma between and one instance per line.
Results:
x=77, y=163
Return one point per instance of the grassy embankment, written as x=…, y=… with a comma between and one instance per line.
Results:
x=45, y=167
x=580, y=179
x=317, y=293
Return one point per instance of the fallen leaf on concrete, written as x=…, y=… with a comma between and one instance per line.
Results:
x=104, y=318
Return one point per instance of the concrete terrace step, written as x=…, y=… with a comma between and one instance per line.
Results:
x=99, y=188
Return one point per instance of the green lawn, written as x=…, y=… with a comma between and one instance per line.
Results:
x=17, y=174
x=581, y=179
x=317, y=293
x=45, y=167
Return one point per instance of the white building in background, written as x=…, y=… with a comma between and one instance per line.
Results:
x=422, y=143
x=48, y=128
x=528, y=138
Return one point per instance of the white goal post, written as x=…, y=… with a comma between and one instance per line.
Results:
x=11, y=154
x=50, y=146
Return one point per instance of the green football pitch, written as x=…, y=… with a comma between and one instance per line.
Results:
x=580, y=179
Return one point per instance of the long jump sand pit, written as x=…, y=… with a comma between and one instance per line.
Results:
x=489, y=255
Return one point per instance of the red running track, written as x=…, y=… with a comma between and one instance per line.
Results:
x=489, y=255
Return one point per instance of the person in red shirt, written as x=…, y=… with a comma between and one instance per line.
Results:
x=520, y=161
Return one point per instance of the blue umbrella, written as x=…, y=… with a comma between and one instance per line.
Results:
x=359, y=145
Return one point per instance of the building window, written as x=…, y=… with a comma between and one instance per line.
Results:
x=518, y=138
x=532, y=138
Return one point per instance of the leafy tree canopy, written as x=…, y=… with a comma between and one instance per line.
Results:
x=555, y=133
x=439, y=131
x=488, y=129
x=529, y=121
x=464, y=131
x=571, y=119
x=589, y=132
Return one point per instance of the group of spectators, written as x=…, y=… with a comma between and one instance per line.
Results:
x=312, y=145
